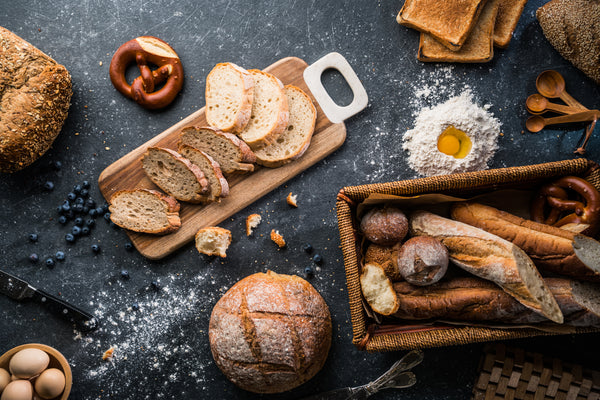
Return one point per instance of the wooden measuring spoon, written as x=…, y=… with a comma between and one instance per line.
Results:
x=588, y=133
x=536, y=123
x=551, y=84
x=538, y=104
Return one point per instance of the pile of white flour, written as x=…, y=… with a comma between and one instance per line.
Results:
x=460, y=111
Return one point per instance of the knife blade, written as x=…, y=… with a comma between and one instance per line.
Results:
x=20, y=290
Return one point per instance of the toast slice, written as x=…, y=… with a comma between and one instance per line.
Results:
x=229, y=94
x=270, y=113
x=509, y=13
x=449, y=21
x=478, y=48
x=232, y=153
x=145, y=210
x=175, y=174
x=213, y=241
x=294, y=141
x=218, y=184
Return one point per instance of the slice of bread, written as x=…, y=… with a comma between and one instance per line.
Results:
x=213, y=241
x=509, y=13
x=294, y=141
x=145, y=210
x=232, y=153
x=270, y=113
x=175, y=174
x=478, y=48
x=217, y=183
x=229, y=94
x=449, y=21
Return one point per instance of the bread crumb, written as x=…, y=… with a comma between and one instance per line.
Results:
x=108, y=354
x=252, y=222
x=213, y=241
x=277, y=238
x=291, y=199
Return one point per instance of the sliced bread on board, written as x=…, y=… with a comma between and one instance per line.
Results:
x=479, y=46
x=213, y=241
x=509, y=13
x=294, y=141
x=175, y=174
x=218, y=184
x=232, y=153
x=229, y=94
x=144, y=210
x=490, y=257
x=449, y=21
x=270, y=113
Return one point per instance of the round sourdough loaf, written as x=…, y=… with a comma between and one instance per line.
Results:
x=270, y=333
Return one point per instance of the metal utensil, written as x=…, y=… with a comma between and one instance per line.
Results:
x=396, y=377
x=536, y=123
x=551, y=84
x=538, y=104
x=20, y=290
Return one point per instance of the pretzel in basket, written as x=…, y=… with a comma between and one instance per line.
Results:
x=146, y=50
x=582, y=212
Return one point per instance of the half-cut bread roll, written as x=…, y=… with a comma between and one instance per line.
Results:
x=377, y=289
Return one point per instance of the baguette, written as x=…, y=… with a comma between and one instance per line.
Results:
x=551, y=248
x=473, y=299
x=490, y=257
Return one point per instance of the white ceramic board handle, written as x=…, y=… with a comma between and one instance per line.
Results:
x=334, y=112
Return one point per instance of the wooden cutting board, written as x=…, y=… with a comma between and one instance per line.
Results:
x=127, y=173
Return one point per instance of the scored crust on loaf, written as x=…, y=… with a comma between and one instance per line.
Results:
x=252, y=222
x=213, y=241
x=449, y=21
x=294, y=141
x=509, y=13
x=145, y=210
x=229, y=96
x=218, y=184
x=175, y=174
x=377, y=289
x=35, y=95
x=270, y=113
x=479, y=46
x=232, y=153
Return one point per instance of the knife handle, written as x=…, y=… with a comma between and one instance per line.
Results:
x=83, y=320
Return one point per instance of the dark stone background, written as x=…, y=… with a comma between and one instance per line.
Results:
x=163, y=350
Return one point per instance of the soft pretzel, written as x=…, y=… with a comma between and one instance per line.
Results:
x=146, y=50
x=585, y=211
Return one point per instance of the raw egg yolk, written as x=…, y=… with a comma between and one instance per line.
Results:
x=454, y=142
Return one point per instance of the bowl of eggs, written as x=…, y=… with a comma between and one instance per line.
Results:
x=34, y=371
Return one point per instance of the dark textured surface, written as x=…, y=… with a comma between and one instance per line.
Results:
x=162, y=349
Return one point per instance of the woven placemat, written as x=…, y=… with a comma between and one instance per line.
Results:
x=511, y=373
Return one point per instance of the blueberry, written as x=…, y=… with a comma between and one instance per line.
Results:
x=85, y=230
x=100, y=210
x=78, y=208
x=57, y=165
x=85, y=209
x=69, y=214
x=79, y=221
x=307, y=247
x=93, y=212
x=49, y=185
x=60, y=256
x=79, y=200
x=90, y=222
x=107, y=216
x=135, y=306
x=85, y=184
x=33, y=237
x=59, y=209
x=309, y=272
x=33, y=258
x=71, y=196
x=62, y=219
x=95, y=248
x=105, y=207
x=70, y=238
x=84, y=193
x=128, y=246
x=90, y=203
x=124, y=274
x=50, y=262
x=155, y=285
x=77, y=189
x=317, y=259
x=76, y=231
x=66, y=206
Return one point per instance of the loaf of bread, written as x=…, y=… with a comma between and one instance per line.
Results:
x=213, y=241
x=384, y=225
x=551, y=249
x=490, y=257
x=422, y=260
x=144, y=210
x=573, y=28
x=212, y=171
x=270, y=332
x=35, y=94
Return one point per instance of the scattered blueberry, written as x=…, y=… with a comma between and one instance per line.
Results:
x=50, y=262
x=105, y=207
x=59, y=209
x=124, y=274
x=85, y=184
x=79, y=200
x=33, y=237
x=84, y=193
x=93, y=212
x=65, y=206
x=69, y=214
x=155, y=285
x=60, y=256
x=307, y=247
x=107, y=216
x=77, y=189
x=62, y=219
x=135, y=306
x=78, y=208
x=71, y=196
x=70, y=238
x=90, y=203
x=33, y=257
x=49, y=185
x=90, y=222
x=317, y=259
x=85, y=230
x=309, y=272
x=85, y=209
x=99, y=210
x=79, y=221
x=57, y=165
x=128, y=246
x=76, y=231
x=95, y=248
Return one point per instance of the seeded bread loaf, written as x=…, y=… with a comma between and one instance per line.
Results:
x=294, y=141
x=270, y=113
x=270, y=332
x=175, y=174
x=213, y=241
x=229, y=96
x=210, y=168
x=35, y=94
x=232, y=153
x=144, y=210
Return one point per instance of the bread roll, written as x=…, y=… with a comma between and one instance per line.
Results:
x=385, y=226
x=377, y=289
x=387, y=257
x=35, y=94
x=423, y=260
x=270, y=333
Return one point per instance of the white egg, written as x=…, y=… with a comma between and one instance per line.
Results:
x=4, y=379
x=50, y=383
x=28, y=363
x=18, y=390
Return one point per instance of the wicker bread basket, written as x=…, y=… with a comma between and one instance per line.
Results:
x=390, y=336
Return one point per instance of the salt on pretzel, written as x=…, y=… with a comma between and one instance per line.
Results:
x=146, y=50
x=585, y=211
